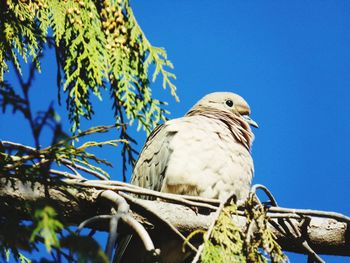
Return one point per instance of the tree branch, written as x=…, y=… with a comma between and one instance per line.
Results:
x=77, y=202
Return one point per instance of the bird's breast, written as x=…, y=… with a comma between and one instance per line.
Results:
x=206, y=160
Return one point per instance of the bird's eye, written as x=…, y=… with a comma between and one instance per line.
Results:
x=229, y=103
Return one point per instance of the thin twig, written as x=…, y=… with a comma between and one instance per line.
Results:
x=311, y=252
x=295, y=233
x=84, y=169
x=37, y=153
x=200, y=199
x=65, y=174
x=138, y=228
x=308, y=212
x=278, y=227
x=75, y=171
x=141, y=232
x=92, y=220
x=297, y=236
x=266, y=191
x=19, y=146
x=215, y=202
x=210, y=229
x=112, y=237
x=283, y=215
x=122, y=209
x=143, y=191
x=166, y=222
x=250, y=231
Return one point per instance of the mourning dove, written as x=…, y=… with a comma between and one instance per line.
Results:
x=205, y=153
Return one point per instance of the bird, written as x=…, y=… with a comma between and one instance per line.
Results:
x=206, y=153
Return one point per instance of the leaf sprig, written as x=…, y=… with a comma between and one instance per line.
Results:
x=253, y=242
x=47, y=227
x=63, y=152
x=98, y=45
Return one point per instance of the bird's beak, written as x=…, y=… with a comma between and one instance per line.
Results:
x=250, y=121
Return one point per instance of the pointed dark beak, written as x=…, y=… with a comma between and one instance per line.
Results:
x=250, y=121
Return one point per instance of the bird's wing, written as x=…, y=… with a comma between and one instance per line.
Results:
x=150, y=168
x=148, y=173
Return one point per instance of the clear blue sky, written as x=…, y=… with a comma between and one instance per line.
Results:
x=289, y=59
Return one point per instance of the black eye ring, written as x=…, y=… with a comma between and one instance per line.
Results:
x=229, y=103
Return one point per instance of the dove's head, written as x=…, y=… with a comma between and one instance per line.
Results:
x=227, y=102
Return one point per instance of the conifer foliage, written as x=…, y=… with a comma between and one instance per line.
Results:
x=99, y=45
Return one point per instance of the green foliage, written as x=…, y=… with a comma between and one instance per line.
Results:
x=229, y=243
x=47, y=227
x=256, y=215
x=66, y=149
x=226, y=240
x=23, y=259
x=20, y=35
x=17, y=236
x=98, y=45
x=65, y=152
x=6, y=253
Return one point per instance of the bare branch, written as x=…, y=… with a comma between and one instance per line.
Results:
x=124, y=187
x=36, y=153
x=79, y=201
x=308, y=212
x=210, y=229
x=69, y=163
x=122, y=208
x=65, y=174
x=166, y=222
x=19, y=146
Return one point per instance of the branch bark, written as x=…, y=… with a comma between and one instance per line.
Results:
x=76, y=203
